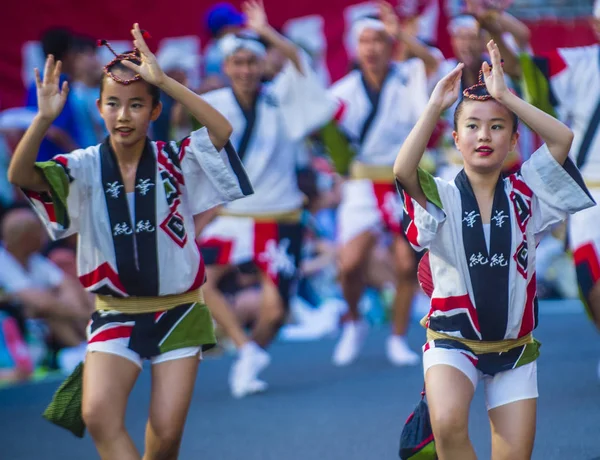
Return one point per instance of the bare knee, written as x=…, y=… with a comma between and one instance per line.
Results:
x=354, y=255
x=166, y=440
x=274, y=310
x=101, y=419
x=450, y=429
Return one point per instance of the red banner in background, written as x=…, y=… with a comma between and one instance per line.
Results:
x=112, y=20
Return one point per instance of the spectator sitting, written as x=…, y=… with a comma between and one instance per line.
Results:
x=38, y=294
x=63, y=136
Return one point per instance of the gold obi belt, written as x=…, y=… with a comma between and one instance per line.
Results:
x=286, y=217
x=480, y=347
x=135, y=305
x=374, y=173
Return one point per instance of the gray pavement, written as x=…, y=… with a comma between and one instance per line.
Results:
x=316, y=411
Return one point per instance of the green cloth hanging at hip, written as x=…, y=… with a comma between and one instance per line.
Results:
x=65, y=408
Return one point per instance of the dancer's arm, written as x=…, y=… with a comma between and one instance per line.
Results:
x=557, y=136
x=411, y=152
x=413, y=45
x=257, y=21
x=219, y=129
x=51, y=100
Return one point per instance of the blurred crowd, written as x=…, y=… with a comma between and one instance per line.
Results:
x=43, y=308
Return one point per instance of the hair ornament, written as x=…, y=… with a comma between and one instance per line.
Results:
x=478, y=92
x=133, y=56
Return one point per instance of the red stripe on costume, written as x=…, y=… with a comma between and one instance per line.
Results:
x=341, y=110
x=185, y=143
x=528, y=321
x=48, y=207
x=425, y=442
x=388, y=203
x=587, y=254
x=520, y=185
x=263, y=233
x=447, y=304
x=165, y=162
x=118, y=332
x=62, y=160
x=412, y=233
x=104, y=271
x=200, y=275
x=470, y=358
x=225, y=248
x=556, y=62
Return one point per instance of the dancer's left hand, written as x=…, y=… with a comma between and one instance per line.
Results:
x=256, y=17
x=149, y=69
x=389, y=18
x=494, y=77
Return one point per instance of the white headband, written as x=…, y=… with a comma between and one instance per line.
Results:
x=366, y=24
x=462, y=22
x=230, y=43
x=597, y=9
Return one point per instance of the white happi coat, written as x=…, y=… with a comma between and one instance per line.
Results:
x=402, y=100
x=211, y=178
x=288, y=109
x=575, y=83
x=543, y=193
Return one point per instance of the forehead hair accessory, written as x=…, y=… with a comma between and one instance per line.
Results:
x=478, y=92
x=133, y=56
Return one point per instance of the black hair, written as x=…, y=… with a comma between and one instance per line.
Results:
x=153, y=90
x=57, y=42
x=464, y=100
x=82, y=43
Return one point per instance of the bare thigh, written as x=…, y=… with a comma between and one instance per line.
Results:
x=513, y=430
x=172, y=390
x=107, y=382
x=356, y=252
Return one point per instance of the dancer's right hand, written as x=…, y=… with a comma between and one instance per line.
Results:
x=446, y=91
x=51, y=99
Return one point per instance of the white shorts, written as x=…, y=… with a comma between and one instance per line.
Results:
x=368, y=206
x=127, y=353
x=504, y=388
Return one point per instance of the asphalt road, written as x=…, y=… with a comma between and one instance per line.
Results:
x=316, y=411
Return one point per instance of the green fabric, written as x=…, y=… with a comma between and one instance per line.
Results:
x=65, y=408
x=534, y=85
x=429, y=188
x=339, y=149
x=194, y=330
x=530, y=354
x=426, y=453
x=59, y=189
x=196, y=125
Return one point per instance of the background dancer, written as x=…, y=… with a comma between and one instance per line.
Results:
x=262, y=233
x=378, y=105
